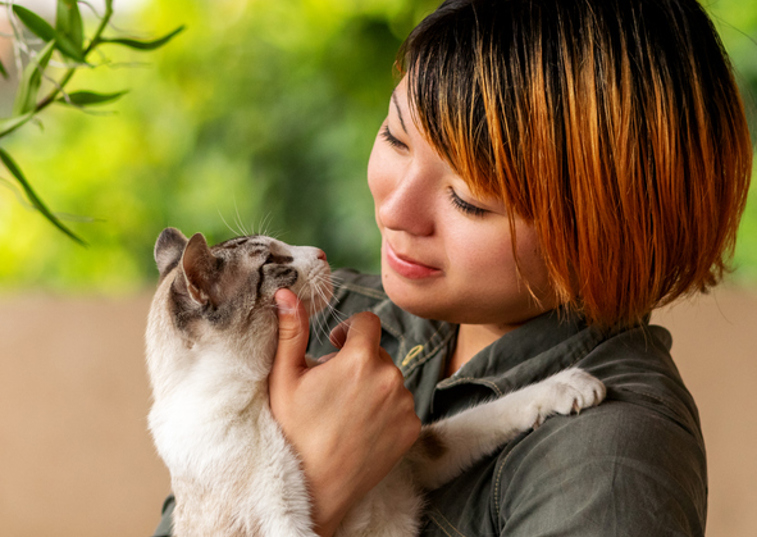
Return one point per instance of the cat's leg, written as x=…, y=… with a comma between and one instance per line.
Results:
x=273, y=497
x=391, y=509
x=447, y=447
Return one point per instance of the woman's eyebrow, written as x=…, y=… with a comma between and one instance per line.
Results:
x=399, y=113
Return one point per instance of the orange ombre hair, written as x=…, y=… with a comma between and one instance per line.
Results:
x=615, y=127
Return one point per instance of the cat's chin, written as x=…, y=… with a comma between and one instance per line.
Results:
x=315, y=289
x=319, y=302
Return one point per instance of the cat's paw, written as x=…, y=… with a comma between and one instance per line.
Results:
x=568, y=392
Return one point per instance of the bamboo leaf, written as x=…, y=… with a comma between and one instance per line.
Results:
x=26, y=98
x=68, y=22
x=63, y=217
x=85, y=98
x=39, y=26
x=33, y=198
x=143, y=45
x=11, y=124
x=42, y=29
x=67, y=47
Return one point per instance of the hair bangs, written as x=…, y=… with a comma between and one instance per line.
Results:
x=449, y=68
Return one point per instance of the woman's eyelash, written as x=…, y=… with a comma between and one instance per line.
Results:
x=464, y=205
x=391, y=140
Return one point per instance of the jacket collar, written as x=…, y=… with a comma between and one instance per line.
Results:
x=541, y=347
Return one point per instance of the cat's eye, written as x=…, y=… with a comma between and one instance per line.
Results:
x=464, y=206
x=258, y=252
x=269, y=259
x=274, y=259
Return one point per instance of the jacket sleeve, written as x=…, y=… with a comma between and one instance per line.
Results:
x=619, y=470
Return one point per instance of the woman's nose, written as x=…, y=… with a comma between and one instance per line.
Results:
x=408, y=206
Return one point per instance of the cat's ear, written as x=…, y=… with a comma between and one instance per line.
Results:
x=200, y=270
x=168, y=249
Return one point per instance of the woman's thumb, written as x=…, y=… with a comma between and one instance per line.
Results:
x=294, y=328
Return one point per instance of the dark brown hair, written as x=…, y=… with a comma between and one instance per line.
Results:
x=614, y=126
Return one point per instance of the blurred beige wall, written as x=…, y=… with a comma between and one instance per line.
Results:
x=75, y=457
x=76, y=460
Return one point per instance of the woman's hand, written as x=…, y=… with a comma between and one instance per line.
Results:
x=350, y=419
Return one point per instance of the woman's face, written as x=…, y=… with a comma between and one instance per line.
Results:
x=445, y=254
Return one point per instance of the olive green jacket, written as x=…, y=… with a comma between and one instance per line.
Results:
x=634, y=466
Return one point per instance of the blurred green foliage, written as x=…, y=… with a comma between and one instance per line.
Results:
x=260, y=116
x=38, y=45
x=736, y=21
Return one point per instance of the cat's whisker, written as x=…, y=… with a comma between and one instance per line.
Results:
x=226, y=223
x=242, y=230
x=328, y=313
x=318, y=323
x=336, y=281
x=320, y=284
x=262, y=229
x=336, y=314
x=321, y=329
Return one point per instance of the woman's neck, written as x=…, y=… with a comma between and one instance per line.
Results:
x=472, y=338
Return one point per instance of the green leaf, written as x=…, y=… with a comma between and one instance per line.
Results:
x=64, y=217
x=3, y=71
x=143, y=45
x=26, y=98
x=68, y=48
x=33, y=198
x=65, y=43
x=39, y=26
x=68, y=22
x=85, y=98
x=11, y=124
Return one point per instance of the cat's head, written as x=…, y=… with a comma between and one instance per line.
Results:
x=227, y=286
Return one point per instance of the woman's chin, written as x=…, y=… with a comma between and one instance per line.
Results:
x=413, y=297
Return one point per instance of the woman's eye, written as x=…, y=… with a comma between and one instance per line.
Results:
x=387, y=135
x=464, y=206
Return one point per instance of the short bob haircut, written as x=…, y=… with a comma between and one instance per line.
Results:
x=615, y=127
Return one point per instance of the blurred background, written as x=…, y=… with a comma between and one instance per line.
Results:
x=260, y=116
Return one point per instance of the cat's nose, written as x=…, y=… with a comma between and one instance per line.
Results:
x=320, y=254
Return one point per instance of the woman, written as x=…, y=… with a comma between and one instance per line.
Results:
x=549, y=172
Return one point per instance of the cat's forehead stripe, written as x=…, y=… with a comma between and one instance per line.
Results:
x=257, y=247
x=233, y=243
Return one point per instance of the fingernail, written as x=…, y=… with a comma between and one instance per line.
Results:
x=283, y=303
x=285, y=309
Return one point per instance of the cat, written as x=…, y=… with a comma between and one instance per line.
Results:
x=211, y=339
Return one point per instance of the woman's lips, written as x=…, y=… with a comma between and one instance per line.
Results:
x=408, y=268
